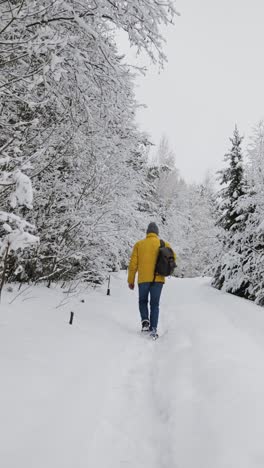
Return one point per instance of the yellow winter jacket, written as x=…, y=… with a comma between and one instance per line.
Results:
x=143, y=260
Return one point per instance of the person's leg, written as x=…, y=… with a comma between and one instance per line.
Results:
x=143, y=292
x=155, y=292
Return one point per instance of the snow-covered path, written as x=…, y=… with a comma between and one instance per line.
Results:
x=98, y=394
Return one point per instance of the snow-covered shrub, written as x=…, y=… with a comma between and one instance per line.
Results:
x=16, y=233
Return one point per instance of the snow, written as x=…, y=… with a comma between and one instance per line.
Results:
x=16, y=238
x=99, y=394
x=19, y=239
x=23, y=194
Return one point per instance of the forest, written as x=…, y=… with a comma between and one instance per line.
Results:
x=79, y=181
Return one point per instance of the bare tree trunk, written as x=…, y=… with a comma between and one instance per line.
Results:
x=2, y=282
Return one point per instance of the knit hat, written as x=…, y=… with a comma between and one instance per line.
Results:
x=152, y=227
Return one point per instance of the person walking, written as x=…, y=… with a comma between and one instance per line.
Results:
x=143, y=262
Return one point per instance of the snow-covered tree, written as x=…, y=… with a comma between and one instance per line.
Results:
x=193, y=230
x=164, y=156
x=255, y=151
x=185, y=214
x=68, y=110
x=232, y=179
x=17, y=129
x=235, y=267
x=249, y=243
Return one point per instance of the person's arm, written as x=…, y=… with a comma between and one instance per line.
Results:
x=133, y=266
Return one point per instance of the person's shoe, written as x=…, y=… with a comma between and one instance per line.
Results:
x=154, y=335
x=145, y=325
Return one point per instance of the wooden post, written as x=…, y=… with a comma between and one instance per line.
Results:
x=71, y=318
x=108, y=289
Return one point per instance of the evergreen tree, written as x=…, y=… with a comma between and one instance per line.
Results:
x=250, y=242
x=234, y=208
x=232, y=178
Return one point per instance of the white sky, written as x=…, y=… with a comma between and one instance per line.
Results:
x=214, y=78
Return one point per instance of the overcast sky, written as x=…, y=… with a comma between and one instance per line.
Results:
x=214, y=79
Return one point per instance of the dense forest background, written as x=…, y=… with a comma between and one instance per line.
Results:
x=79, y=181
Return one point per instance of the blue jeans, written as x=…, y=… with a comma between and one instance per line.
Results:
x=154, y=290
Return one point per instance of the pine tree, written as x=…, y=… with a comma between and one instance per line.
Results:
x=232, y=177
x=250, y=242
x=234, y=211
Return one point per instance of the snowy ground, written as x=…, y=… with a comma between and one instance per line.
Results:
x=98, y=394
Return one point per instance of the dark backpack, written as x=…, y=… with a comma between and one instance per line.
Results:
x=165, y=262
